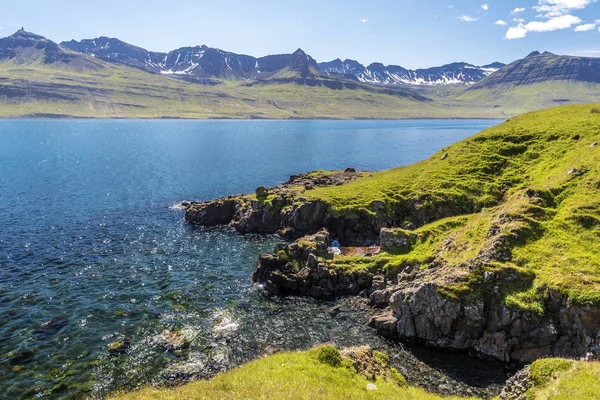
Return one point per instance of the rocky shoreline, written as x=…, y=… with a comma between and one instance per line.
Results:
x=407, y=304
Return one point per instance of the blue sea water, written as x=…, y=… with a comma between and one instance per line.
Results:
x=91, y=236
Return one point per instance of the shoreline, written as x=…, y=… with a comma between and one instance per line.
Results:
x=169, y=118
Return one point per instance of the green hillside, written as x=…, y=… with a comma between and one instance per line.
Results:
x=535, y=178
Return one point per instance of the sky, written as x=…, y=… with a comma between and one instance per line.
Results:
x=413, y=34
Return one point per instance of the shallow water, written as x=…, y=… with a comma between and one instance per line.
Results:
x=90, y=236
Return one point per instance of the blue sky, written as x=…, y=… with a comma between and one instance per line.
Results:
x=410, y=33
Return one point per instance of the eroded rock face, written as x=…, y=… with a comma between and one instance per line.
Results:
x=301, y=269
x=421, y=314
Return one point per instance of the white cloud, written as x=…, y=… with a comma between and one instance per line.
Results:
x=517, y=10
x=516, y=32
x=500, y=22
x=585, y=28
x=467, y=18
x=557, y=8
x=485, y=7
x=553, y=24
x=450, y=7
x=364, y=21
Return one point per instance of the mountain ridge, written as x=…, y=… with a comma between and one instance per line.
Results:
x=106, y=77
x=207, y=62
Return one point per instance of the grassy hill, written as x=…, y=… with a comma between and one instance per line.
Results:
x=37, y=89
x=326, y=373
x=536, y=178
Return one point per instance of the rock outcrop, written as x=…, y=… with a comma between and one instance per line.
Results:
x=301, y=268
x=285, y=211
x=487, y=329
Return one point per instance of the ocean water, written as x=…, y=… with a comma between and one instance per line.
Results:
x=91, y=238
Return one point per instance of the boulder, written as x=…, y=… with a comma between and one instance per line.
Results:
x=261, y=191
x=395, y=239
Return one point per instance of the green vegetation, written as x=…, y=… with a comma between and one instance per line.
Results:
x=555, y=378
x=322, y=373
x=518, y=99
x=523, y=196
x=110, y=90
x=358, y=373
x=91, y=88
x=544, y=370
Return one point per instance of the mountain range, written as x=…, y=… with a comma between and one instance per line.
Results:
x=208, y=62
x=106, y=77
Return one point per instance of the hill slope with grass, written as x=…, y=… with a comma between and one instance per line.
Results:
x=489, y=246
x=360, y=373
x=538, y=81
x=107, y=78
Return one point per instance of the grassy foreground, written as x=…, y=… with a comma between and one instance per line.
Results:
x=321, y=373
x=524, y=195
x=559, y=379
x=326, y=373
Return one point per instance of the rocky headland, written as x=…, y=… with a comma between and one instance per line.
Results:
x=489, y=247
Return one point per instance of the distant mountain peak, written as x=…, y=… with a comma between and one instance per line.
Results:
x=380, y=74
x=544, y=67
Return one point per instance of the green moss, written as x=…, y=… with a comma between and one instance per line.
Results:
x=327, y=354
x=560, y=379
x=115, y=346
x=544, y=370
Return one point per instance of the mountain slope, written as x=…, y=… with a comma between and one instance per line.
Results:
x=39, y=78
x=538, y=81
x=26, y=48
x=198, y=61
x=541, y=68
x=377, y=73
x=109, y=78
x=207, y=62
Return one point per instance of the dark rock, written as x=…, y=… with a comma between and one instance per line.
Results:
x=22, y=357
x=261, y=191
x=51, y=327
x=218, y=212
x=300, y=269
x=386, y=324
x=349, y=170
x=593, y=145
x=395, y=239
x=517, y=386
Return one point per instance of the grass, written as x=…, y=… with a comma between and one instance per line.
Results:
x=326, y=373
x=560, y=379
x=524, y=195
x=316, y=374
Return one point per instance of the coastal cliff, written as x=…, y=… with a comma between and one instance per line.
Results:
x=489, y=246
